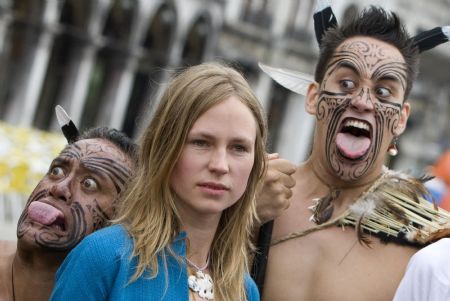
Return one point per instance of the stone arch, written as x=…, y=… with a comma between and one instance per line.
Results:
x=155, y=45
x=69, y=41
x=19, y=40
x=110, y=62
x=196, y=40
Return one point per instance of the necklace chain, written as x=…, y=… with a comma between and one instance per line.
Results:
x=201, y=269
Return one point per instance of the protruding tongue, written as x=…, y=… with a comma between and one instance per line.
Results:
x=43, y=213
x=352, y=146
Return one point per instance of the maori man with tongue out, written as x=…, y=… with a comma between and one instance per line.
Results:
x=76, y=197
x=353, y=224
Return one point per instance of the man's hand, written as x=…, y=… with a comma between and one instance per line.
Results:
x=274, y=196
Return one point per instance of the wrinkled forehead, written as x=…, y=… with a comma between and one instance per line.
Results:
x=368, y=54
x=95, y=148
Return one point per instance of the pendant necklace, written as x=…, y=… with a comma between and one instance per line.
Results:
x=201, y=283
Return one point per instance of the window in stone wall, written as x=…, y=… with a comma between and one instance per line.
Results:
x=156, y=50
x=70, y=40
x=110, y=63
x=258, y=12
x=276, y=112
x=19, y=42
x=196, y=42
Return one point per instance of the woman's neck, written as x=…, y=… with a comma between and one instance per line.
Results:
x=200, y=234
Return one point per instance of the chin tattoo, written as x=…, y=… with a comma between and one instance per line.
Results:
x=50, y=240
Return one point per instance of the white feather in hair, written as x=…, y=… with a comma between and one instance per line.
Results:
x=295, y=81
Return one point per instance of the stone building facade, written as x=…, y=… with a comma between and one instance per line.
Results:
x=106, y=61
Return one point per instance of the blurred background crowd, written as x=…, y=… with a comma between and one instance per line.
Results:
x=106, y=61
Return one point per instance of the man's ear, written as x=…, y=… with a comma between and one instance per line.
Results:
x=311, y=98
x=404, y=115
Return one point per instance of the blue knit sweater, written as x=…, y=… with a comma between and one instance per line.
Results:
x=99, y=268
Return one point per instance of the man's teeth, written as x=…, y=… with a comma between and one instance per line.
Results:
x=357, y=124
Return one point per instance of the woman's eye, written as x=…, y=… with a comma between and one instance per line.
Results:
x=347, y=84
x=89, y=183
x=240, y=148
x=383, y=92
x=199, y=142
x=56, y=171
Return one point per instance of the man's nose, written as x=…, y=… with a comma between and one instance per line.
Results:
x=62, y=190
x=363, y=102
x=218, y=161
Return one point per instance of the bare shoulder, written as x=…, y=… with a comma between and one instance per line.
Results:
x=7, y=248
x=7, y=252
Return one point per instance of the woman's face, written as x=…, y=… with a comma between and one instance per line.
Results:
x=217, y=159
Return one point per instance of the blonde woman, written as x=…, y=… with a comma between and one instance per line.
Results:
x=183, y=230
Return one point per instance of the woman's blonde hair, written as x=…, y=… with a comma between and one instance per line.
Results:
x=148, y=210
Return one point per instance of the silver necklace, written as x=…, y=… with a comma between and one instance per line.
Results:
x=201, y=283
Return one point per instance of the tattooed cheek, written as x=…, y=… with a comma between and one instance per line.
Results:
x=389, y=116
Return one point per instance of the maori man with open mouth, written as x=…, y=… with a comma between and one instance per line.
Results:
x=353, y=224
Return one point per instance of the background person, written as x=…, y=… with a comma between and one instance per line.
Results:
x=76, y=197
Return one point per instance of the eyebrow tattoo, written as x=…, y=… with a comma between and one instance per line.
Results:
x=346, y=60
x=72, y=151
x=392, y=71
x=361, y=56
x=116, y=172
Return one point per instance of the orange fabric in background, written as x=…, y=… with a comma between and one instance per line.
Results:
x=445, y=204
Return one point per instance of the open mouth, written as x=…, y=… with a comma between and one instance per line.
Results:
x=47, y=215
x=354, y=139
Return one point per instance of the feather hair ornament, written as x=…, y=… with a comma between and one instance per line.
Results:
x=324, y=18
x=295, y=81
x=431, y=38
x=68, y=128
x=394, y=208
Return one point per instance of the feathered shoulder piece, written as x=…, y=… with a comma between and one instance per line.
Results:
x=394, y=209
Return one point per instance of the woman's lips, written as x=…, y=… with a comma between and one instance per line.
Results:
x=213, y=188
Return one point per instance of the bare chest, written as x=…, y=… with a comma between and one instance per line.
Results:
x=331, y=264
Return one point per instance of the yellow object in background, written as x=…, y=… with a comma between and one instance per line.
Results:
x=25, y=155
